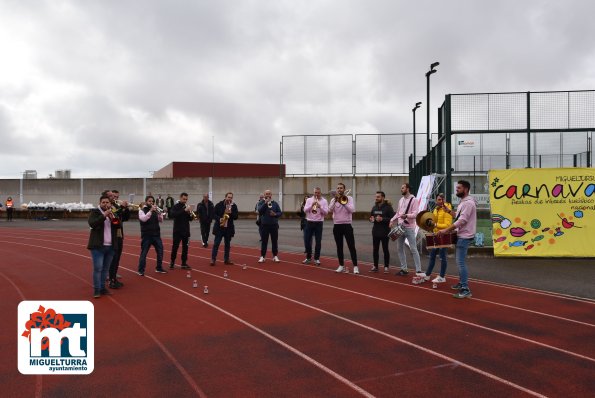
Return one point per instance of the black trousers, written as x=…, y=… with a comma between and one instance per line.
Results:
x=376, y=246
x=174, y=248
x=340, y=231
x=273, y=232
x=9, y=211
x=113, y=268
x=204, y=231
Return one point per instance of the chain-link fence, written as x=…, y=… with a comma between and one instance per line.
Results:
x=345, y=154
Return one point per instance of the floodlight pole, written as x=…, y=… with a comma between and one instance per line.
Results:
x=417, y=105
x=431, y=71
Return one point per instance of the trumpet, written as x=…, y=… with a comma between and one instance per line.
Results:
x=192, y=213
x=131, y=206
x=344, y=199
x=315, y=207
x=270, y=204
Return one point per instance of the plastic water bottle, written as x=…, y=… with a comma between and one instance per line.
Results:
x=225, y=274
x=195, y=283
x=206, y=290
x=188, y=275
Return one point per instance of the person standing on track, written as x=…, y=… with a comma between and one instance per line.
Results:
x=342, y=207
x=465, y=223
x=225, y=213
x=380, y=215
x=206, y=211
x=121, y=214
x=443, y=221
x=316, y=208
x=182, y=215
x=101, y=244
x=150, y=217
x=269, y=213
x=9, y=208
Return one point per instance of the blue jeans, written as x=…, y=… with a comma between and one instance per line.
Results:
x=410, y=236
x=313, y=229
x=145, y=245
x=461, y=253
x=443, y=263
x=217, y=242
x=102, y=259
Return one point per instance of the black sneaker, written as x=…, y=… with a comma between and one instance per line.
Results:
x=171, y=266
x=458, y=286
x=117, y=283
x=205, y=245
x=160, y=271
x=113, y=285
x=463, y=293
x=402, y=272
x=186, y=266
x=141, y=273
x=374, y=269
x=105, y=292
x=97, y=293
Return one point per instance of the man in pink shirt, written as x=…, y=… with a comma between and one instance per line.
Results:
x=406, y=212
x=315, y=208
x=465, y=222
x=342, y=215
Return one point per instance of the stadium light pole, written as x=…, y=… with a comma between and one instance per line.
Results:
x=428, y=73
x=417, y=105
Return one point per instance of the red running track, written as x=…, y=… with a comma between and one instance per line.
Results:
x=275, y=330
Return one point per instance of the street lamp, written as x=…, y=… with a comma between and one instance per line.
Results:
x=417, y=105
x=428, y=73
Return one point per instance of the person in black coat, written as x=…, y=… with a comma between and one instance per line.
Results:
x=380, y=215
x=181, y=213
x=150, y=217
x=225, y=213
x=121, y=214
x=269, y=212
x=206, y=211
x=101, y=243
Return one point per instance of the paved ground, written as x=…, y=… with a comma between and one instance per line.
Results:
x=575, y=277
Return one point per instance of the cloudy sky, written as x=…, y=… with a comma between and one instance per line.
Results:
x=121, y=88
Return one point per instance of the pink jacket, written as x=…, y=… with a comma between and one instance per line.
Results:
x=409, y=222
x=342, y=214
x=466, y=218
x=322, y=209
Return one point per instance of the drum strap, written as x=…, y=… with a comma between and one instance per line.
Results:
x=407, y=209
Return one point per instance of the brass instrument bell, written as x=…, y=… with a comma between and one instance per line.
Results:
x=426, y=220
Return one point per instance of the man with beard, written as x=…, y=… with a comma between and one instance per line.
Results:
x=465, y=221
x=316, y=208
x=381, y=214
x=101, y=243
x=150, y=218
x=225, y=212
x=406, y=212
x=182, y=215
x=206, y=211
x=342, y=228
x=269, y=213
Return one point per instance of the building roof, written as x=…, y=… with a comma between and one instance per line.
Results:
x=207, y=169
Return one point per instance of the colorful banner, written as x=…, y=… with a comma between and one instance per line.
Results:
x=543, y=212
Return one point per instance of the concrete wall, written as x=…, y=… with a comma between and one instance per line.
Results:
x=246, y=190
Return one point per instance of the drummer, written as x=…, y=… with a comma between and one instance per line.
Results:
x=443, y=221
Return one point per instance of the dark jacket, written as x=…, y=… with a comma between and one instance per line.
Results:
x=264, y=213
x=302, y=214
x=96, y=222
x=151, y=226
x=181, y=220
x=205, y=212
x=230, y=230
x=385, y=210
x=122, y=214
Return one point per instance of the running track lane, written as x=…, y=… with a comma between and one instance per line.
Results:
x=342, y=276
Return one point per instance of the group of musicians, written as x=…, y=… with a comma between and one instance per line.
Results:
x=106, y=237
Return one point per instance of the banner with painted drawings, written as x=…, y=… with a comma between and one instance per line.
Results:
x=543, y=212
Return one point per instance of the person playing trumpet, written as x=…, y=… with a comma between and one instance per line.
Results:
x=101, y=243
x=316, y=208
x=342, y=207
x=223, y=229
x=150, y=216
x=269, y=212
x=121, y=214
x=182, y=214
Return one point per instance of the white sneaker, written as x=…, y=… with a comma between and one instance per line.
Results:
x=386, y=270
x=356, y=270
x=420, y=273
x=317, y=263
x=439, y=279
x=426, y=277
x=276, y=259
x=261, y=259
x=340, y=269
x=306, y=261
